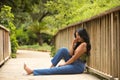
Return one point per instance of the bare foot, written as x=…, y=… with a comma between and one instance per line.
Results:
x=27, y=69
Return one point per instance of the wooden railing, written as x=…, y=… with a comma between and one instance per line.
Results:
x=104, y=31
x=4, y=44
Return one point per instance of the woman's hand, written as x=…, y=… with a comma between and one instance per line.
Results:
x=72, y=46
x=61, y=65
x=75, y=40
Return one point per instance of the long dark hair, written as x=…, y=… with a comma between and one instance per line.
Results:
x=84, y=35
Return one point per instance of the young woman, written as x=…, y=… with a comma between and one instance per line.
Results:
x=75, y=59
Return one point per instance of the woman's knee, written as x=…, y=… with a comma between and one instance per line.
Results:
x=64, y=50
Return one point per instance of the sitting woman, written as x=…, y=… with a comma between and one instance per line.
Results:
x=75, y=59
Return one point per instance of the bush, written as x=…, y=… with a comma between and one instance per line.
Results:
x=14, y=44
x=53, y=51
x=36, y=47
x=13, y=55
x=6, y=19
x=22, y=36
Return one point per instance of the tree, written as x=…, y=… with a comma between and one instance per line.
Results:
x=72, y=11
x=56, y=14
x=26, y=13
x=38, y=28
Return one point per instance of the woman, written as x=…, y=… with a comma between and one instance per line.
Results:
x=75, y=59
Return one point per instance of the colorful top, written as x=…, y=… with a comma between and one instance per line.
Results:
x=84, y=57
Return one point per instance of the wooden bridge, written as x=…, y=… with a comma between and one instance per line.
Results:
x=104, y=31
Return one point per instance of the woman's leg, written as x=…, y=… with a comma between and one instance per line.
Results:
x=62, y=53
x=67, y=69
x=74, y=68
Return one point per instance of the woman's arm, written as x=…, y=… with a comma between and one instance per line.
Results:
x=78, y=52
x=72, y=46
x=71, y=49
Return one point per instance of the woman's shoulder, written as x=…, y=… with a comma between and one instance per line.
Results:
x=83, y=44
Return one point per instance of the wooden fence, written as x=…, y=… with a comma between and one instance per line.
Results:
x=4, y=44
x=104, y=31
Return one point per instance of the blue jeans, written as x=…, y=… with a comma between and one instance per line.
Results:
x=63, y=53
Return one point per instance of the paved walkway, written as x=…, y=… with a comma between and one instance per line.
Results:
x=13, y=68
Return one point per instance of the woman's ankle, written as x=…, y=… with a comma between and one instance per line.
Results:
x=52, y=66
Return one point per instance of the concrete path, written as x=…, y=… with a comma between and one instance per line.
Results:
x=13, y=68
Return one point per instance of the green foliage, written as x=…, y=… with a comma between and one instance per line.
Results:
x=71, y=11
x=38, y=27
x=22, y=19
x=34, y=17
x=22, y=36
x=53, y=51
x=6, y=19
x=47, y=38
x=14, y=44
x=52, y=24
x=32, y=38
x=13, y=55
x=37, y=47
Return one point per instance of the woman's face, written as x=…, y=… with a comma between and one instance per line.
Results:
x=78, y=38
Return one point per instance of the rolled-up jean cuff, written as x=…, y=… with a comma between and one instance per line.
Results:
x=53, y=63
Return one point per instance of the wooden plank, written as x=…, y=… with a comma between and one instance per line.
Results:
x=87, y=27
x=92, y=50
x=96, y=38
x=113, y=40
x=98, y=43
x=1, y=46
x=101, y=47
x=112, y=43
x=91, y=56
x=118, y=44
x=103, y=26
x=110, y=49
x=109, y=77
x=109, y=44
x=6, y=45
x=115, y=44
x=106, y=42
x=93, y=44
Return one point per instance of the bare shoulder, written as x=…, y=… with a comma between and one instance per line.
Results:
x=82, y=47
x=84, y=44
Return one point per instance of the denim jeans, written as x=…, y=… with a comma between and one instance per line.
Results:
x=63, y=53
